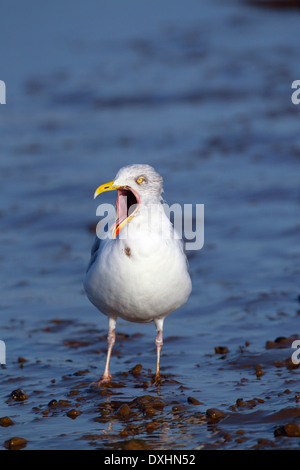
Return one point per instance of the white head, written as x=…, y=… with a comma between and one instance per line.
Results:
x=143, y=179
x=136, y=185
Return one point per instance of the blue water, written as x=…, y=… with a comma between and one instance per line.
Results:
x=202, y=92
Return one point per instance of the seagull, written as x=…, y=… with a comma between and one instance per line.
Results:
x=139, y=272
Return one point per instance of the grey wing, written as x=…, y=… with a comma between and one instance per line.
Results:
x=94, y=252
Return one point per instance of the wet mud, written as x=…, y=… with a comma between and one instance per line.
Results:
x=260, y=412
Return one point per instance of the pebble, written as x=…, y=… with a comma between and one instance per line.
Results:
x=63, y=403
x=259, y=400
x=137, y=369
x=150, y=427
x=6, y=421
x=15, y=443
x=73, y=393
x=19, y=395
x=21, y=360
x=258, y=371
x=52, y=403
x=177, y=408
x=146, y=401
x=149, y=411
x=136, y=444
x=73, y=414
x=263, y=443
x=278, y=343
x=81, y=372
x=215, y=413
x=289, y=430
x=193, y=401
x=292, y=430
x=124, y=411
x=221, y=350
x=240, y=402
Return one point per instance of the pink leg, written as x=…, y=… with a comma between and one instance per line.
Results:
x=110, y=341
x=159, y=343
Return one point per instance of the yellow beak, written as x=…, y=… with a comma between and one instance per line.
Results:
x=105, y=187
x=110, y=186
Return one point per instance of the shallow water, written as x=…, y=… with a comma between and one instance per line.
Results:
x=204, y=95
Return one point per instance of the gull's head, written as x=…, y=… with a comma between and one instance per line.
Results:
x=136, y=184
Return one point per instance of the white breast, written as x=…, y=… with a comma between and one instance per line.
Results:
x=142, y=277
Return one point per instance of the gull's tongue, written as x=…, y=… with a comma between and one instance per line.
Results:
x=121, y=205
x=126, y=204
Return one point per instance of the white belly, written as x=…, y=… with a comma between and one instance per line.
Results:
x=139, y=281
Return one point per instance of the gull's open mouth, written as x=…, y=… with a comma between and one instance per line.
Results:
x=127, y=204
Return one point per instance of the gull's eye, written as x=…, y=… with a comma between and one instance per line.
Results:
x=140, y=180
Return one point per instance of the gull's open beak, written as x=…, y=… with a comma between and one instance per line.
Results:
x=105, y=187
x=126, y=199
